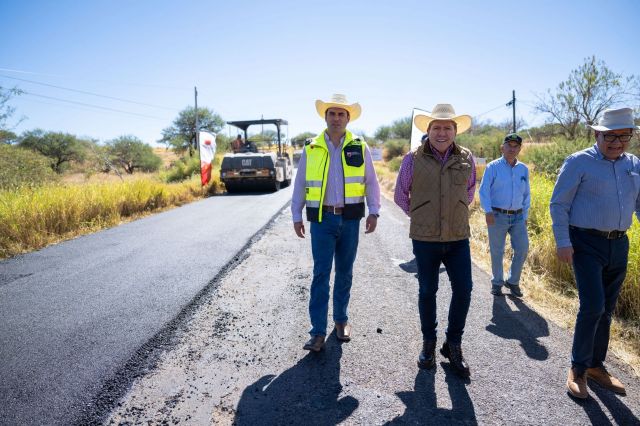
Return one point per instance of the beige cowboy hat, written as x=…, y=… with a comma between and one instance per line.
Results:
x=339, y=101
x=443, y=112
x=615, y=119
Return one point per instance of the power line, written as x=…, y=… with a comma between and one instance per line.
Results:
x=157, y=86
x=491, y=110
x=94, y=106
x=89, y=93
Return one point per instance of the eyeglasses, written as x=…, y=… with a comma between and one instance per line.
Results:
x=612, y=138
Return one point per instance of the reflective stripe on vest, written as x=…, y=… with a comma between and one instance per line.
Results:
x=317, y=169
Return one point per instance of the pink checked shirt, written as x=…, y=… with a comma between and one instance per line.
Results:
x=405, y=178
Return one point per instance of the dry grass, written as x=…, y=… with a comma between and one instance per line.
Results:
x=32, y=218
x=168, y=156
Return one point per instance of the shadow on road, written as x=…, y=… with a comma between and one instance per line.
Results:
x=621, y=414
x=527, y=327
x=412, y=268
x=422, y=403
x=307, y=393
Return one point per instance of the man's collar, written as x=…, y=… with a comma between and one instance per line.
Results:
x=601, y=156
x=505, y=160
x=328, y=139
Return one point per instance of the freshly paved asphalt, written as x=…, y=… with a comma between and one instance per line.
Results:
x=74, y=315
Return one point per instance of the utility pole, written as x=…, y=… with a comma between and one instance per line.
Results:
x=512, y=103
x=195, y=92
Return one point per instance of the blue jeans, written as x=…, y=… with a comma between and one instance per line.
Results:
x=515, y=226
x=600, y=266
x=456, y=257
x=333, y=238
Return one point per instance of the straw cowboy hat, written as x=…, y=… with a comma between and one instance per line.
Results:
x=443, y=112
x=339, y=101
x=615, y=119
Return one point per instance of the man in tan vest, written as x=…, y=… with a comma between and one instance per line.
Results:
x=436, y=183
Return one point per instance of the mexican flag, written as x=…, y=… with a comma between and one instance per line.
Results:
x=207, y=150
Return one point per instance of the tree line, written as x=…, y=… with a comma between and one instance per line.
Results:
x=570, y=107
x=575, y=103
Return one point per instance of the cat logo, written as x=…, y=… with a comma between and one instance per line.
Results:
x=246, y=162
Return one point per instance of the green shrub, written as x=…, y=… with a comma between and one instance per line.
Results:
x=548, y=159
x=20, y=167
x=394, y=148
x=182, y=169
x=394, y=163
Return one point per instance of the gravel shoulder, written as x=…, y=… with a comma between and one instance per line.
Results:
x=239, y=358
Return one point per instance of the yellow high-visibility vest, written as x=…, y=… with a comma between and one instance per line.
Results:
x=317, y=154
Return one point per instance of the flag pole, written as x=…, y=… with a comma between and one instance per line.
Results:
x=195, y=94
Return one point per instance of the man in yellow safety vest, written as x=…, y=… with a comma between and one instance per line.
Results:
x=335, y=176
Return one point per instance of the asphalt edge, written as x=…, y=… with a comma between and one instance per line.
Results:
x=147, y=356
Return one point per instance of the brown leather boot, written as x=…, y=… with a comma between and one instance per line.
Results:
x=577, y=384
x=601, y=376
x=427, y=357
x=343, y=331
x=315, y=344
x=456, y=359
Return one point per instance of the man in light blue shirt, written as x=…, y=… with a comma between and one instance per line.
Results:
x=592, y=206
x=505, y=199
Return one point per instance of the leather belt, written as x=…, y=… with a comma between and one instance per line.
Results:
x=332, y=209
x=609, y=235
x=506, y=211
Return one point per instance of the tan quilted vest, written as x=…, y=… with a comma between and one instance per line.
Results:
x=439, y=208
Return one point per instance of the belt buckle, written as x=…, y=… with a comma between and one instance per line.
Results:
x=612, y=235
x=334, y=210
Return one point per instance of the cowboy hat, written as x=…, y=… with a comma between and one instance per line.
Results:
x=443, y=112
x=339, y=101
x=614, y=119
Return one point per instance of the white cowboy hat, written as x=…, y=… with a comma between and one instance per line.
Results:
x=614, y=119
x=443, y=112
x=339, y=101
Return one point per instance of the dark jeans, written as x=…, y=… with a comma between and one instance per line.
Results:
x=600, y=266
x=456, y=257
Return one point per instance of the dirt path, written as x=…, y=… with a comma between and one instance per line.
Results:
x=241, y=359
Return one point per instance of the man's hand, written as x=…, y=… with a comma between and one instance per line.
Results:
x=372, y=222
x=565, y=254
x=490, y=218
x=299, y=228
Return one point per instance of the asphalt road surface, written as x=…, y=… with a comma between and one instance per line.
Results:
x=79, y=320
x=239, y=358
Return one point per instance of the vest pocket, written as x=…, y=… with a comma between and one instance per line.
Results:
x=353, y=156
x=420, y=205
x=459, y=177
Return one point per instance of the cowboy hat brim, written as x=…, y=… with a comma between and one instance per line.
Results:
x=463, y=122
x=353, y=109
x=614, y=127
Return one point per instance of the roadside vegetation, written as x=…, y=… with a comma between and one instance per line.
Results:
x=55, y=186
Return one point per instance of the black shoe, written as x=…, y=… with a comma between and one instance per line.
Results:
x=515, y=289
x=454, y=354
x=427, y=358
x=496, y=290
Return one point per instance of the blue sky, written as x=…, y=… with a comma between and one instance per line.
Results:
x=275, y=58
